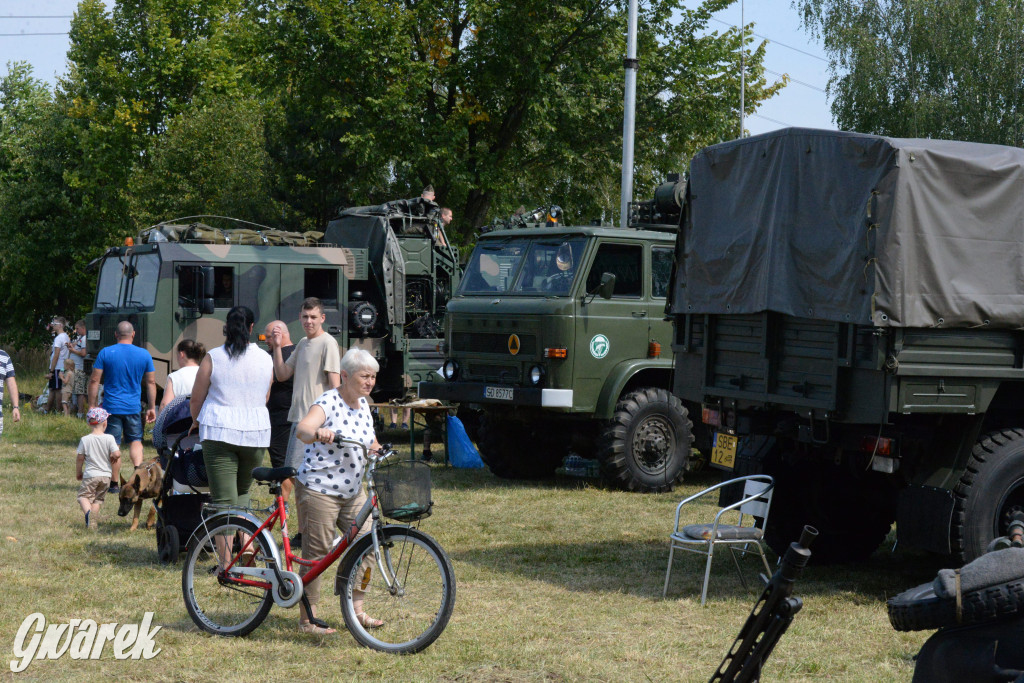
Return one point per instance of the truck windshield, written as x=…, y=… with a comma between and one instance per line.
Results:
x=128, y=281
x=549, y=267
x=492, y=266
x=543, y=267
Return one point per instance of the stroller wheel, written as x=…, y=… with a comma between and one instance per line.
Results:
x=168, y=545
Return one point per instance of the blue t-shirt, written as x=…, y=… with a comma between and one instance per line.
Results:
x=123, y=366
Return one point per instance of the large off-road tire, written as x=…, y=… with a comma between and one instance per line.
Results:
x=646, y=444
x=517, y=450
x=920, y=609
x=852, y=510
x=990, y=491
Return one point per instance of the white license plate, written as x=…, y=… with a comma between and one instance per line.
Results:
x=499, y=393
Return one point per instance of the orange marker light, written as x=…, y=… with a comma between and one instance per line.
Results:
x=653, y=349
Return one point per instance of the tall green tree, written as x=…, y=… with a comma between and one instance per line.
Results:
x=211, y=160
x=925, y=68
x=494, y=103
x=45, y=248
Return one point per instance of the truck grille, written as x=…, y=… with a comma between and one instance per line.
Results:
x=483, y=372
x=490, y=342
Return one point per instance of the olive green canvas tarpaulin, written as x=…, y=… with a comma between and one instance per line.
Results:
x=855, y=228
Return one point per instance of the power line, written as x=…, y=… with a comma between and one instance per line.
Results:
x=13, y=35
x=775, y=121
x=807, y=85
x=773, y=41
x=41, y=16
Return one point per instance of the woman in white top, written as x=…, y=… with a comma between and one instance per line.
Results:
x=329, y=492
x=229, y=401
x=180, y=382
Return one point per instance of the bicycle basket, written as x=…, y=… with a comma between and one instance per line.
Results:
x=403, y=490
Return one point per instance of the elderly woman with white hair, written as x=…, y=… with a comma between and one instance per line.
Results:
x=328, y=491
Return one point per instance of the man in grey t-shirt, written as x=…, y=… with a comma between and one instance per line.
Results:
x=314, y=367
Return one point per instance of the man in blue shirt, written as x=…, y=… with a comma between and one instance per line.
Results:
x=123, y=369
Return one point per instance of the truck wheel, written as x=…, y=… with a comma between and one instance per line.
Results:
x=852, y=511
x=512, y=450
x=647, y=442
x=920, y=609
x=990, y=491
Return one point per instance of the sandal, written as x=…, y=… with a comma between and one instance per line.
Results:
x=315, y=629
x=366, y=621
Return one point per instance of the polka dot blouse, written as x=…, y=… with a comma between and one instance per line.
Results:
x=338, y=471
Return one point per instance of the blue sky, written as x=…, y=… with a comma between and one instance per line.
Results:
x=790, y=51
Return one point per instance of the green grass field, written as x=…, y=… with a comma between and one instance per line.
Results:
x=556, y=582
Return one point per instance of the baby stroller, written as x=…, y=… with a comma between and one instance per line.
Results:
x=185, y=487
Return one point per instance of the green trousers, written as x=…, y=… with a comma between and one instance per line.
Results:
x=229, y=470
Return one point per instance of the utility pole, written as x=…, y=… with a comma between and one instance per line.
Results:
x=743, y=64
x=629, y=116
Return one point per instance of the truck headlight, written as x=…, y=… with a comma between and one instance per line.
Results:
x=536, y=375
x=450, y=370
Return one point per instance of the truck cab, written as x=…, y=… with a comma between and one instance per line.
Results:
x=558, y=335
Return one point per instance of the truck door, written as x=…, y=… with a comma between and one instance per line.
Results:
x=659, y=329
x=301, y=281
x=609, y=331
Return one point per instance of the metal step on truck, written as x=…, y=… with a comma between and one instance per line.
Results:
x=558, y=335
x=848, y=314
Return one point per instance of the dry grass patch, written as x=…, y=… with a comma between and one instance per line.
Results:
x=555, y=583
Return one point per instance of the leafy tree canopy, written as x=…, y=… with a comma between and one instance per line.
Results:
x=925, y=68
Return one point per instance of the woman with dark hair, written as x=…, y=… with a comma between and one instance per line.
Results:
x=229, y=402
x=181, y=381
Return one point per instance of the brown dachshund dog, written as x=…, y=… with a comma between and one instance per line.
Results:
x=145, y=482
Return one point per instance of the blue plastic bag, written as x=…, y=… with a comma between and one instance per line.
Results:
x=461, y=451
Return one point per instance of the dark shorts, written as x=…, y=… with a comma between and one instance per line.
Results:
x=55, y=384
x=128, y=425
x=279, y=443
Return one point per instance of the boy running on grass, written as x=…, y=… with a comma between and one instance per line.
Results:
x=97, y=452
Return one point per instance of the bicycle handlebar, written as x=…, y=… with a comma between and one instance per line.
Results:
x=380, y=455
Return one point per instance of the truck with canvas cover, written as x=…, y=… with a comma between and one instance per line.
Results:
x=180, y=280
x=383, y=274
x=558, y=335
x=848, y=313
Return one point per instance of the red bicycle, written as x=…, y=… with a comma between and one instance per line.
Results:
x=234, y=570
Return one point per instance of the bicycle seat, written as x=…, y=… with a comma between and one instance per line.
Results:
x=273, y=473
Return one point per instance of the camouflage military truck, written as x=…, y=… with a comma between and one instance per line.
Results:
x=381, y=273
x=848, y=312
x=174, y=290
x=558, y=334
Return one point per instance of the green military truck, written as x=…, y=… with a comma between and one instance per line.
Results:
x=848, y=312
x=181, y=279
x=558, y=335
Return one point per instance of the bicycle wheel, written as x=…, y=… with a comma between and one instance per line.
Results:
x=417, y=610
x=216, y=605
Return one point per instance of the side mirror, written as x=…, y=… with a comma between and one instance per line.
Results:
x=206, y=283
x=607, y=286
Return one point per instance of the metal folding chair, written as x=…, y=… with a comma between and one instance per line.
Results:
x=744, y=536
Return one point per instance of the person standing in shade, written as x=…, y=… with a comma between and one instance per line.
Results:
x=314, y=367
x=280, y=401
x=180, y=382
x=7, y=377
x=124, y=369
x=78, y=353
x=58, y=354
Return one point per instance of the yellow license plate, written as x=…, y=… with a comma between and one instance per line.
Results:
x=724, y=451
